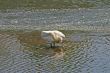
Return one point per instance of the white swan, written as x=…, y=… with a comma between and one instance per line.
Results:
x=53, y=37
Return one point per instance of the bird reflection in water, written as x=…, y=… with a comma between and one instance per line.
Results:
x=58, y=53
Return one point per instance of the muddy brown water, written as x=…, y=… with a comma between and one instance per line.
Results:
x=82, y=52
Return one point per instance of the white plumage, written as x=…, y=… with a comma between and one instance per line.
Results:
x=53, y=37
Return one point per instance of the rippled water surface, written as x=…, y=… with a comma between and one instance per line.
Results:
x=86, y=48
x=82, y=52
x=66, y=19
x=92, y=17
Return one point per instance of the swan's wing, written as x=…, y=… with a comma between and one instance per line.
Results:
x=59, y=33
x=46, y=36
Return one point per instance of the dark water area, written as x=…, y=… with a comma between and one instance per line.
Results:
x=82, y=52
x=53, y=4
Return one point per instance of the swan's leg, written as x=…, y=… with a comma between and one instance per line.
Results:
x=51, y=45
x=54, y=44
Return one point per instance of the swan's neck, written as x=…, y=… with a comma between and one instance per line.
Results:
x=56, y=38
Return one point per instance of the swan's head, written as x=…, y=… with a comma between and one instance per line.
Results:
x=57, y=36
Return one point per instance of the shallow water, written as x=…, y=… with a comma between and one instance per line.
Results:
x=82, y=52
